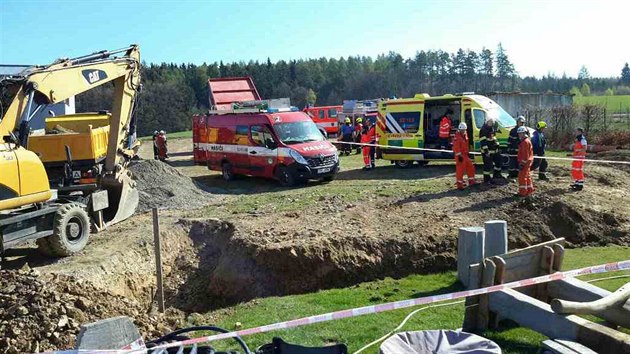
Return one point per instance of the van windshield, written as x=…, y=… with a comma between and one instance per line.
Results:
x=298, y=132
x=501, y=116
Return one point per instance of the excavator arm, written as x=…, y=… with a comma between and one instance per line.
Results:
x=66, y=78
x=43, y=85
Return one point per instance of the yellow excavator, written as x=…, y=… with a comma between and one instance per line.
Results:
x=58, y=184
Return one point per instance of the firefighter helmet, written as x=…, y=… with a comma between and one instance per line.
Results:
x=521, y=130
x=162, y=132
x=348, y=120
x=462, y=126
x=359, y=120
x=520, y=119
x=541, y=125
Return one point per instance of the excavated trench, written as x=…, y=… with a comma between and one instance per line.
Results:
x=224, y=268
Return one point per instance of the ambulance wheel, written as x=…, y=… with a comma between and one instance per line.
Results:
x=71, y=230
x=403, y=163
x=285, y=177
x=226, y=172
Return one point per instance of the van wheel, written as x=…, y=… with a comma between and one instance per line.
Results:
x=423, y=163
x=226, y=172
x=71, y=231
x=403, y=163
x=285, y=177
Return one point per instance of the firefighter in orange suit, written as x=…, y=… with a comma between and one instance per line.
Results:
x=525, y=159
x=577, y=166
x=368, y=137
x=462, y=160
x=444, y=133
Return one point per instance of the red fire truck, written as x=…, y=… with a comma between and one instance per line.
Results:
x=326, y=118
x=266, y=138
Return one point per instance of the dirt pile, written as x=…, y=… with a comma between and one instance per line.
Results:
x=163, y=186
x=40, y=313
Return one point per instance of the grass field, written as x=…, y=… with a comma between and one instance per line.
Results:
x=358, y=331
x=612, y=103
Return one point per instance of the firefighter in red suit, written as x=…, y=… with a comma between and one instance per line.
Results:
x=161, y=144
x=462, y=160
x=369, y=152
x=445, y=129
x=525, y=159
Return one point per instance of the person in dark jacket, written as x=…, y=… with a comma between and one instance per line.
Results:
x=539, y=144
x=513, y=142
x=490, y=152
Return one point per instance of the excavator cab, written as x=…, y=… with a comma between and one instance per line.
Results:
x=73, y=176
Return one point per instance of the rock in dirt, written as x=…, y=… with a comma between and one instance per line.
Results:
x=31, y=318
x=162, y=186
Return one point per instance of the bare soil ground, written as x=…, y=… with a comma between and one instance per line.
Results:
x=251, y=238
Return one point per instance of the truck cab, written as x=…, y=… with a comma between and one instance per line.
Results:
x=326, y=119
x=414, y=123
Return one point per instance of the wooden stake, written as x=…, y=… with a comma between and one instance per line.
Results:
x=158, y=260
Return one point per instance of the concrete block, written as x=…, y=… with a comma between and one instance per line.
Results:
x=470, y=250
x=496, y=241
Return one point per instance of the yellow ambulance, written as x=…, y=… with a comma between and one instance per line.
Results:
x=415, y=122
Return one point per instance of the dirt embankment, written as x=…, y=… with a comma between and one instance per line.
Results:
x=162, y=186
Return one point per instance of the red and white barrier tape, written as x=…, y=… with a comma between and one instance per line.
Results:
x=333, y=316
x=478, y=153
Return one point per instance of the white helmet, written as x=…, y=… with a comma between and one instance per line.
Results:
x=520, y=119
x=162, y=132
x=490, y=120
x=462, y=126
x=521, y=130
x=155, y=132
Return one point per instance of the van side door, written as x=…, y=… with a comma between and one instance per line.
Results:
x=263, y=151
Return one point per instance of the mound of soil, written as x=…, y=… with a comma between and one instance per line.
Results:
x=40, y=313
x=162, y=186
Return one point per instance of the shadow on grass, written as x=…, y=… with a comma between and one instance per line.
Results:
x=511, y=343
x=393, y=172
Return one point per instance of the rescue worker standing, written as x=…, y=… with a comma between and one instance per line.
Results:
x=513, y=142
x=490, y=152
x=445, y=129
x=462, y=160
x=579, y=154
x=369, y=152
x=539, y=143
x=525, y=160
x=346, y=136
x=358, y=128
x=162, y=146
x=155, y=147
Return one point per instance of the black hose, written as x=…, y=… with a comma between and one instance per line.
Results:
x=175, y=335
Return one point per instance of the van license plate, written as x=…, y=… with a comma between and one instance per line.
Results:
x=324, y=170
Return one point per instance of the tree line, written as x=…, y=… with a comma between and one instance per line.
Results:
x=172, y=93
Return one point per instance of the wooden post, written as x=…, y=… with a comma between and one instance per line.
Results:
x=499, y=277
x=487, y=279
x=558, y=257
x=158, y=260
x=546, y=267
x=472, y=302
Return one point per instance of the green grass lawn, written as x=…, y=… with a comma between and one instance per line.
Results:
x=176, y=135
x=358, y=331
x=612, y=103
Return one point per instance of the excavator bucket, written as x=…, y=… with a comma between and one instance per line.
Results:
x=123, y=197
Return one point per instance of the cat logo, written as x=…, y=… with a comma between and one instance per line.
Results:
x=93, y=76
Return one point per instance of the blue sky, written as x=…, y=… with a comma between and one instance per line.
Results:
x=539, y=36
